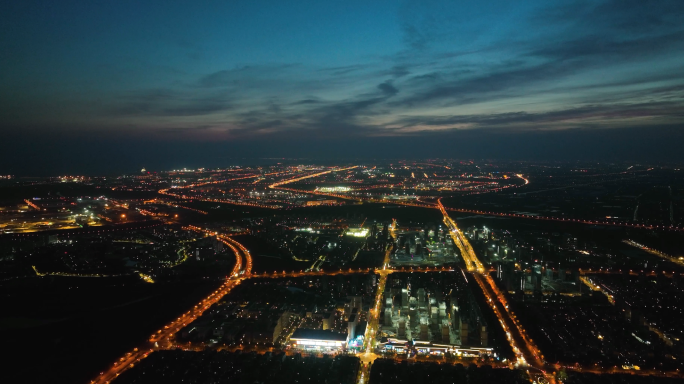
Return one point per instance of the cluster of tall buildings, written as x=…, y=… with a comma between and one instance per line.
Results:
x=536, y=278
x=422, y=314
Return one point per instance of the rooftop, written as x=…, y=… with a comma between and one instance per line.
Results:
x=317, y=334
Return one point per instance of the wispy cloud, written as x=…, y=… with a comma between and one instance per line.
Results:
x=545, y=65
x=165, y=102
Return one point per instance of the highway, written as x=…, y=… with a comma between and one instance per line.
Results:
x=662, y=255
x=372, y=329
x=302, y=273
x=165, y=337
x=67, y=274
x=166, y=191
x=473, y=264
x=525, y=350
x=174, y=205
x=240, y=269
x=300, y=178
x=564, y=220
x=226, y=201
x=179, y=195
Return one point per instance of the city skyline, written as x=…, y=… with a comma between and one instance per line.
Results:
x=394, y=271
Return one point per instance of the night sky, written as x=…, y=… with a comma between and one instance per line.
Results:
x=112, y=86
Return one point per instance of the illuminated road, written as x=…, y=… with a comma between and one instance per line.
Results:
x=300, y=178
x=67, y=274
x=166, y=191
x=631, y=272
x=434, y=165
x=473, y=264
x=525, y=180
x=525, y=351
x=95, y=229
x=662, y=255
x=226, y=201
x=350, y=271
x=388, y=251
x=249, y=204
x=578, y=221
x=240, y=269
x=372, y=329
x=174, y=205
x=367, y=199
x=165, y=338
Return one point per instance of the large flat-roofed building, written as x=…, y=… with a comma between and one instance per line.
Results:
x=319, y=340
x=429, y=348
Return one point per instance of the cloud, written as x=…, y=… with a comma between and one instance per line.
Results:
x=349, y=115
x=547, y=65
x=595, y=115
x=195, y=129
x=388, y=89
x=592, y=38
x=486, y=86
x=204, y=106
x=242, y=76
x=166, y=102
x=306, y=101
x=344, y=70
x=398, y=71
x=619, y=17
x=605, y=48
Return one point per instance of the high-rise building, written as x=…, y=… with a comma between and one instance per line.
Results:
x=351, y=327
x=464, y=332
x=422, y=298
x=327, y=321
x=434, y=313
x=446, y=334
x=424, y=331
x=388, y=317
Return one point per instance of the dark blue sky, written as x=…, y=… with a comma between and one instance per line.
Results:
x=177, y=83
